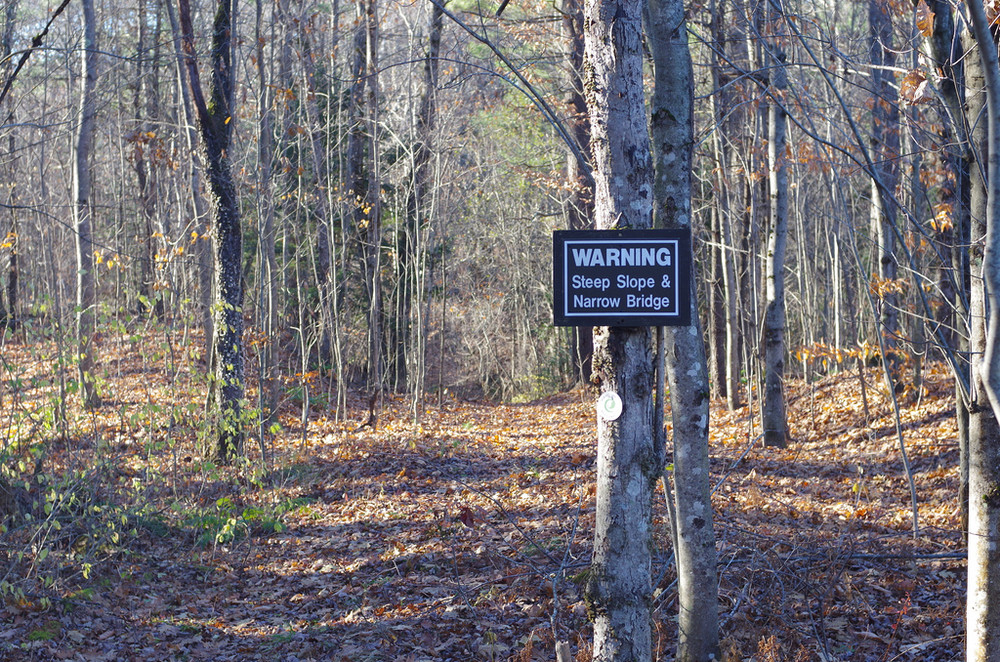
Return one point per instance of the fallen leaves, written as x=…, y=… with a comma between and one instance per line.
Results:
x=464, y=536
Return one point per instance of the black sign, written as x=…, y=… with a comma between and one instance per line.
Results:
x=622, y=277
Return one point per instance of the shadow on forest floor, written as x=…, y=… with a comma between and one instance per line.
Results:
x=467, y=536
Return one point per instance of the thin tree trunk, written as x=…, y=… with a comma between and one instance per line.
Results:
x=417, y=204
x=721, y=109
x=200, y=208
x=10, y=318
x=983, y=601
x=619, y=586
x=86, y=292
x=371, y=213
x=946, y=49
x=885, y=153
x=580, y=201
x=269, y=389
x=141, y=142
x=773, y=417
x=687, y=370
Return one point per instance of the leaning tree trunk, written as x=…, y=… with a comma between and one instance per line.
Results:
x=687, y=371
x=86, y=291
x=773, y=416
x=619, y=588
x=216, y=122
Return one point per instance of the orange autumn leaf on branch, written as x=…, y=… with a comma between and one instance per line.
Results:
x=925, y=19
x=880, y=287
x=915, y=88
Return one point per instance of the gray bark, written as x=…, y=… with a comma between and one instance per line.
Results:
x=619, y=588
x=372, y=213
x=983, y=601
x=417, y=207
x=946, y=51
x=991, y=251
x=885, y=153
x=270, y=386
x=773, y=416
x=687, y=370
x=9, y=318
x=86, y=293
x=580, y=201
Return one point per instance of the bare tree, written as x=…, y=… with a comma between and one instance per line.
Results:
x=773, y=415
x=687, y=368
x=86, y=292
x=885, y=155
x=199, y=207
x=627, y=460
x=8, y=314
x=216, y=120
x=983, y=602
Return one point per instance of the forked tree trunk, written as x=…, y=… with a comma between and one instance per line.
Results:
x=687, y=371
x=86, y=292
x=619, y=587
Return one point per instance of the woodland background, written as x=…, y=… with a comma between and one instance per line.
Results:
x=411, y=488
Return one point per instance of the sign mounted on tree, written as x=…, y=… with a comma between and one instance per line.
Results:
x=621, y=277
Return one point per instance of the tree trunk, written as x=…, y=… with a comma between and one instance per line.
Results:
x=144, y=172
x=619, y=591
x=202, y=246
x=371, y=212
x=773, y=416
x=269, y=389
x=983, y=601
x=580, y=200
x=361, y=178
x=953, y=279
x=722, y=108
x=216, y=121
x=885, y=153
x=687, y=371
x=86, y=292
x=9, y=320
x=417, y=207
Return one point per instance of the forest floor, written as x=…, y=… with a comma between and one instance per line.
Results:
x=465, y=536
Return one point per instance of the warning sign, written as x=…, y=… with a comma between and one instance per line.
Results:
x=622, y=277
